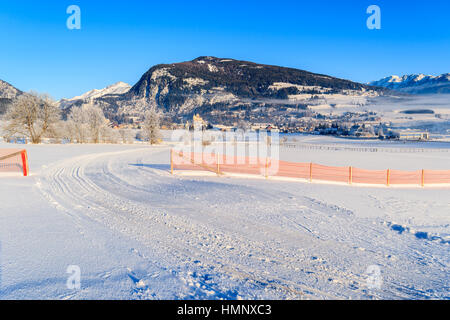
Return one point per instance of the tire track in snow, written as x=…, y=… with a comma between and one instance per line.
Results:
x=75, y=190
x=94, y=187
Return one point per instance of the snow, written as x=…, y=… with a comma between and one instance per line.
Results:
x=319, y=107
x=222, y=97
x=212, y=68
x=322, y=96
x=406, y=78
x=162, y=72
x=7, y=91
x=283, y=85
x=117, y=88
x=137, y=232
x=394, y=79
x=415, y=83
x=192, y=82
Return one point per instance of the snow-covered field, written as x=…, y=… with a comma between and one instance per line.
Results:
x=136, y=232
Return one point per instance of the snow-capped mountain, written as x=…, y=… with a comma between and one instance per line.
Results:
x=7, y=94
x=117, y=88
x=110, y=91
x=7, y=91
x=222, y=89
x=416, y=83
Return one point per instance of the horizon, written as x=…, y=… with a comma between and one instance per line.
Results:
x=117, y=43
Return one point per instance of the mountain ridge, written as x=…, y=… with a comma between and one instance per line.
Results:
x=416, y=83
x=224, y=90
x=219, y=88
x=241, y=72
x=7, y=95
x=114, y=89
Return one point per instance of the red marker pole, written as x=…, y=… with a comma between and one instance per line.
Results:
x=25, y=163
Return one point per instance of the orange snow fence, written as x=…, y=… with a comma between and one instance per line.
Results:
x=14, y=160
x=222, y=164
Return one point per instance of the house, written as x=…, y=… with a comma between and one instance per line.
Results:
x=364, y=130
x=413, y=135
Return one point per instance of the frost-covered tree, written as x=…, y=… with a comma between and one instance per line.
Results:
x=243, y=125
x=64, y=130
x=151, y=125
x=33, y=116
x=109, y=135
x=97, y=122
x=77, y=124
x=126, y=136
x=380, y=132
x=88, y=123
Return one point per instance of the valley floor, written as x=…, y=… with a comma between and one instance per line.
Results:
x=136, y=232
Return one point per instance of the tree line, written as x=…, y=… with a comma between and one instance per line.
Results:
x=36, y=117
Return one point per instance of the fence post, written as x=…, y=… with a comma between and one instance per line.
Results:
x=423, y=178
x=218, y=165
x=266, y=166
x=388, y=181
x=25, y=163
x=171, y=161
x=311, y=172
x=350, y=175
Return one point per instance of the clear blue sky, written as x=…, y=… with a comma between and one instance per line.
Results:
x=120, y=40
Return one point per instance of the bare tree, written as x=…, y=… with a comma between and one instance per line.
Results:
x=126, y=136
x=109, y=135
x=243, y=125
x=88, y=123
x=380, y=132
x=33, y=116
x=63, y=131
x=96, y=121
x=151, y=125
x=77, y=124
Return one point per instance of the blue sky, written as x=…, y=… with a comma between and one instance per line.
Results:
x=120, y=40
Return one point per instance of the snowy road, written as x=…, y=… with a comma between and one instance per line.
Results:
x=159, y=236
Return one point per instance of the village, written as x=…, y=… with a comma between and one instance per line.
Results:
x=356, y=125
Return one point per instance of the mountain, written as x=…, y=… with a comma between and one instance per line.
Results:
x=225, y=91
x=110, y=91
x=416, y=83
x=7, y=94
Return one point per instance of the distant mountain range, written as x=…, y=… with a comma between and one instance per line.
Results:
x=416, y=83
x=242, y=79
x=110, y=91
x=222, y=91
x=225, y=90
